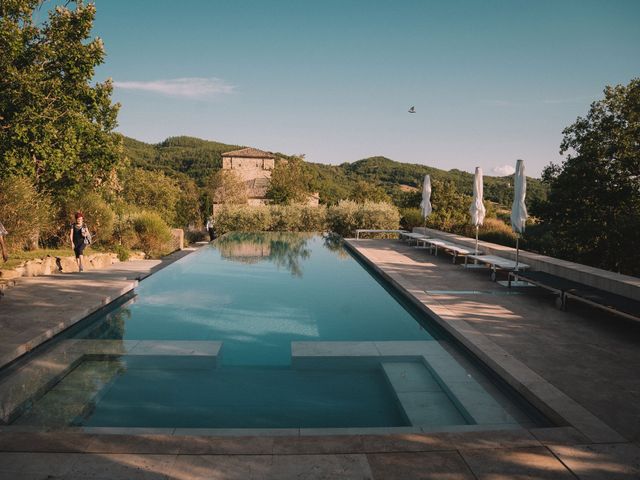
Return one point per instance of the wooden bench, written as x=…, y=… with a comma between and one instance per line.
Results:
x=496, y=263
x=568, y=289
x=362, y=230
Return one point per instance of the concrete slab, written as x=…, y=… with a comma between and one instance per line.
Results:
x=432, y=465
x=535, y=463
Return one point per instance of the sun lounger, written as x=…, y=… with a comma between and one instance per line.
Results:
x=568, y=289
x=361, y=230
x=413, y=237
x=454, y=249
x=496, y=263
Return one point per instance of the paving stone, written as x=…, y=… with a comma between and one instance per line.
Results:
x=319, y=444
x=251, y=467
x=559, y=436
x=410, y=466
x=36, y=463
x=121, y=466
x=535, y=463
x=601, y=461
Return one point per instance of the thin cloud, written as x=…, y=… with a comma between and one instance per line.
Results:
x=557, y=101
x=503, y=170
x=188, y=87
x=501, y=103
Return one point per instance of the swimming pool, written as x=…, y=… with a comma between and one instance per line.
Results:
x=264, y=330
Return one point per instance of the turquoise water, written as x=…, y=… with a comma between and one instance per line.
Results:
x=256, y=294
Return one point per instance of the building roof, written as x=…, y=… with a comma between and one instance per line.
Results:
x=249, y=153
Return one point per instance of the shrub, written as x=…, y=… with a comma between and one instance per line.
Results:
x=242, y=218
x=348, y=216
x=152, y=233
x=122, y=252
x=98, y=216
x=152, y=191
x=495, y=230
x=313, y=219
x=410, y=218
x=286, y=218
x=25, y=213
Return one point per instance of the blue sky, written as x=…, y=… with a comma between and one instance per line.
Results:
x=492, y=81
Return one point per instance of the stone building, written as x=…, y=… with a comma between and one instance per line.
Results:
x=254, y=167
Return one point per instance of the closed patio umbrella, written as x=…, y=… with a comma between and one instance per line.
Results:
x=425, y=204
x=477, y=209
x=519, y=209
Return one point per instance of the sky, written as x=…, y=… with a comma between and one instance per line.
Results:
x=491, y=81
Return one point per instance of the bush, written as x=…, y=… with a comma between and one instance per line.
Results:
x=153, y=234
x=242, y=218
x=494, y=230
x=122, y=252
x=25, y=213
x=348, y=216
x=410, y=218
x=98, y=216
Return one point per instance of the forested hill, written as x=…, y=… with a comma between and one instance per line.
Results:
x=199, y=158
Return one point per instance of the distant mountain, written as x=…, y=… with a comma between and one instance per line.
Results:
x=199, y=158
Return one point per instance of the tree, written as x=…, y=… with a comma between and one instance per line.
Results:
x=593, y=208
x=55, y=126
x=227, y=188
x=289, y=182
x=363, y=191
x=152, y=191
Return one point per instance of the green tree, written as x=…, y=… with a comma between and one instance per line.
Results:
x=55, y=126
x=227, y=188
x=289, y=182
x=363, y=191
x=592, y=214
x=151, y=191
x=450, y=208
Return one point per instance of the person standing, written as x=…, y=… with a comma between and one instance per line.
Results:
x=212, y=233
x=3, y=245
x=79, y=235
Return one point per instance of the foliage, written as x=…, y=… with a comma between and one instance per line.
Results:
x=24, y=212
x=450, y=208
x=196, y=158
x=151, y=190
x=347, y=216
x=593, y=207
x=364, y=191
x=56, y=126
x=494, y=230
x=152, y=233
x=411, y=218
x=123, y=253
x=188, y=210
x=242, y=218
x=98, y=216
x=289, y=183
x=225, y=187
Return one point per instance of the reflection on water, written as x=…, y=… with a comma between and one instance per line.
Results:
x=334, y=243
x=284, y=249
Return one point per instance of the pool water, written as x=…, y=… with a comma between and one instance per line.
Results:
x=260, y=330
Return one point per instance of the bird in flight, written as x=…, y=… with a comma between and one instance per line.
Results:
x=412, y=110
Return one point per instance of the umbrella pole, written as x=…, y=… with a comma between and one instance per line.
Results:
x=477, y=227
x=517, y=250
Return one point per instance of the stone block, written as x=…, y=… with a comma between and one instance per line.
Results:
x=67, y=264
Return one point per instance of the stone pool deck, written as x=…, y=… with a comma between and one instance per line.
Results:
x=582, y=364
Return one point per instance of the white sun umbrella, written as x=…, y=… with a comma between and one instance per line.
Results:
x=477, y=209
x=519, y=209
x=425, y=204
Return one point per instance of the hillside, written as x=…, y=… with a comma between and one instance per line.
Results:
x=199, y=158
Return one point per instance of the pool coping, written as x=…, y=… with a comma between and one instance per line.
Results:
x=548, y=399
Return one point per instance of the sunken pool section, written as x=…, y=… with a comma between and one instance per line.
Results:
x=258, y=331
